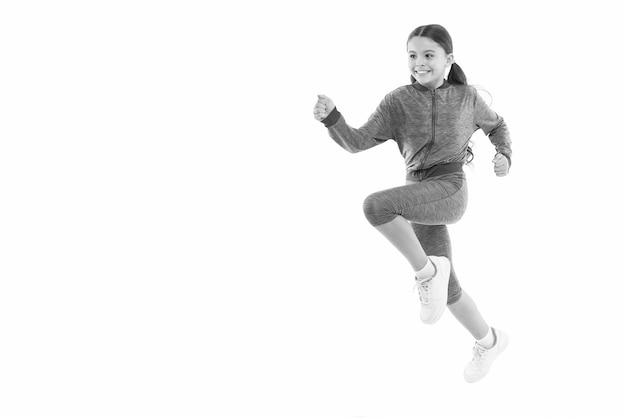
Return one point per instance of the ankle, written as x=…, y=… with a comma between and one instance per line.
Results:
x=426, y=272
x=488, y=340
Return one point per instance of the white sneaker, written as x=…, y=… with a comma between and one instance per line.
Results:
x=434, y=291
x=483, y=357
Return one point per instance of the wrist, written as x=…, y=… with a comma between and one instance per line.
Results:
x=332, y=118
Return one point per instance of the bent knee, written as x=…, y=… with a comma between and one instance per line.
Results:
x=378, y=210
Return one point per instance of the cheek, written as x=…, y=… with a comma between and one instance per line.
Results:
x=441, y=68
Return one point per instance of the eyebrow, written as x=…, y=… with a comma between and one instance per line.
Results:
x=428, y=50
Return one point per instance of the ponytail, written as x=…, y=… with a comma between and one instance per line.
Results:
x=469, y=154
x=456, y=75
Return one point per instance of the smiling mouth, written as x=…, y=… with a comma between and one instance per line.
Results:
x=422, y=72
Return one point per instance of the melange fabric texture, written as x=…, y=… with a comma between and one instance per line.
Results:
x=430, y=127
x=435, y=240
x=439, y=200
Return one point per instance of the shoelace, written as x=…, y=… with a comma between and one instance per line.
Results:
x=424, y=287
x=479, y=354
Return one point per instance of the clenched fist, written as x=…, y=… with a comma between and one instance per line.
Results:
x=500, y=165
x=323, y=107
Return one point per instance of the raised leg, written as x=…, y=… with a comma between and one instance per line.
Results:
x=401, y=235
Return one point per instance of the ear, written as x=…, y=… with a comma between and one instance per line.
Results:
x=450, y=60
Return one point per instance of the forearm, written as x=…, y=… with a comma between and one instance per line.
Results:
x=501, y=139
x=351, y=139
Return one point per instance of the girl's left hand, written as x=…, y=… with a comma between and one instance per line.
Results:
x=500, y=165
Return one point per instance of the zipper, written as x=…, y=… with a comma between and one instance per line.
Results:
x=434, y=118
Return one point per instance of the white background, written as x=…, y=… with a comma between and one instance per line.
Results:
x=180, y=238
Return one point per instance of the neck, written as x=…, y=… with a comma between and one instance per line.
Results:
x=431, y=86
x=434, y=85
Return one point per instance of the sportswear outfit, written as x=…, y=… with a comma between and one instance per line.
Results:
x=432, y=129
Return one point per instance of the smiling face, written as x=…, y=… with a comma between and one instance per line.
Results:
x=428, y=61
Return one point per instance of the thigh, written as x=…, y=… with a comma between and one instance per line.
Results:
x=433, y=202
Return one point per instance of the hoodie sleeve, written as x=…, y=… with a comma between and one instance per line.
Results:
x=493, y=126
x=374, y=132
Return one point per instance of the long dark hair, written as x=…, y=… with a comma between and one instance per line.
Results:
x=440, y=35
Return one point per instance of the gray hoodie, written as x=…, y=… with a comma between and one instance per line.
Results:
x=430, y=126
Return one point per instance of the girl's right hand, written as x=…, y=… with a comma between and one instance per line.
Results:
x=323, y=107
x=500, y=165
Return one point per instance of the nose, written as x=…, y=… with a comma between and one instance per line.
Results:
x=419, y=62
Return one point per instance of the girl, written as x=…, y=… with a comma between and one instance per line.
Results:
x=432, y=121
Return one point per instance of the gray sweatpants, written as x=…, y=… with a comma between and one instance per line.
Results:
x=429, y=205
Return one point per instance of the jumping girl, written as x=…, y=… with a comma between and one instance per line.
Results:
x=432, y=121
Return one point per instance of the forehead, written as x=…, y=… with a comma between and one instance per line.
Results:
x=421, y=44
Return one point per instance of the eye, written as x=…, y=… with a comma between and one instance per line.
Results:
x=429, y=56
x=412, y=56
